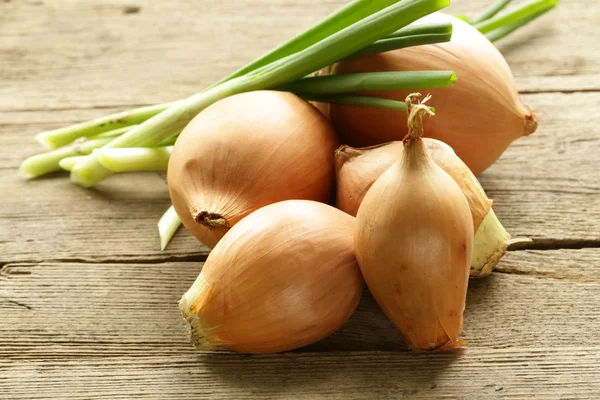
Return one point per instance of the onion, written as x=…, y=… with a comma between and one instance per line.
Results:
x=284, y=277
x=413, y=244
x=245, y=152
x=358, y=168
x=479, y=116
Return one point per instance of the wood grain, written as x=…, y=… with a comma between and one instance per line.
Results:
x=532, y=372
x=117, y=327
x=86, y=53
x=78, y=309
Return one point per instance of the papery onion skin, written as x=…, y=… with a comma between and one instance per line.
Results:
x=413, y=244
x=245, y=152
x=479, y=116
x=358, y=168
x=284, y=277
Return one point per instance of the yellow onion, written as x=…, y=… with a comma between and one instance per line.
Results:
x=284, y=277
x=479, y=116
x=245, y=152
x=413, y=244
x=358, y=168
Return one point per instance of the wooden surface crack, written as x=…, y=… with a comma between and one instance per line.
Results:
x=562, y=91
x=552, y=244
x=519, y=244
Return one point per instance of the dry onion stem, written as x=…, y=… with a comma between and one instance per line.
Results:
x=283, y=277
x=245, y=152
x=479, y=116
x=358, y=168
x=413, y=244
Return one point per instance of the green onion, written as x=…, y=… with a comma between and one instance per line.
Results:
x=489, y=12
x=519, y=13
x=60, y=137
x=499, y=33
x=113, y=133
x=368, y=81
x=68, y=163
x=134, y=159
x=329, y=50
x=339, y=20
x=45, y=163
x=463, y=17
x=418, y=28
x=167, y=226
x=394, y=43
x=359, y=101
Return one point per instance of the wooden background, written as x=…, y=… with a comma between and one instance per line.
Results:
x=88, y=303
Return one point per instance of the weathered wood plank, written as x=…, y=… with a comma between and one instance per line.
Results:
x=91, y=54
x=545, y=186
x=76, y=310
x=533, y=372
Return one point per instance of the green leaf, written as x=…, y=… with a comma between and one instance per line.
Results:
x=369, y=81
x=489, y=12
x=341, y=19
x=520, y=12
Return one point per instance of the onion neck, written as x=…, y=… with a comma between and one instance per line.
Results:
x=212, y=221
x=415, y=117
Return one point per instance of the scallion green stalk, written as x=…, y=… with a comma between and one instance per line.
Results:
x=368, y=81
x=134, y=159
x=489, y=12
x=359, y=101
x=327, y=51
x=519, y=13
x=401, y=42
x=60, y=137
x=69, y=162
x=167, y=226
x=113, y=133
x=348, y=15
x=419, y=28
x=45, y=163
x=499, y=33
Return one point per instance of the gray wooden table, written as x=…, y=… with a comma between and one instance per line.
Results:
x=88, y=303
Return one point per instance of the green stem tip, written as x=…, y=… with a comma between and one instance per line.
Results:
x=518, y=13
x=167, y=226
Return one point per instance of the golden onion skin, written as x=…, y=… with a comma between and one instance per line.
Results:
x=413, y=244
x=284, y=277
x=245, y=152
x=358, y=168
x=479, y=116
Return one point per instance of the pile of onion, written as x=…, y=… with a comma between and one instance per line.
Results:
x=245, y=152
x=358, y=168
x=479, y=116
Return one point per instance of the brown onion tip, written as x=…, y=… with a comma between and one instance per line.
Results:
x=531, y=123
x=211, y=220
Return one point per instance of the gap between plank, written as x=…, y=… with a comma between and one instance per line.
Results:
x=518, y=244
